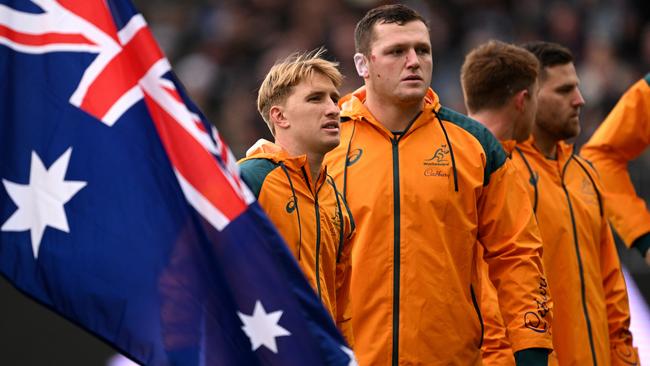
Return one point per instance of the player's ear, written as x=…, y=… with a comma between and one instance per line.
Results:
x=520, y=99
x=278, y=117
x=361, y=63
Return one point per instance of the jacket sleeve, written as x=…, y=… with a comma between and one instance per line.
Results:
x=616, y=300
x=254, y=171
x=513, y=249
x=343, y=278
x=622, y=137
x=495, y=349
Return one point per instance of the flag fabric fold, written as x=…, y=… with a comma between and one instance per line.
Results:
x=122, y=209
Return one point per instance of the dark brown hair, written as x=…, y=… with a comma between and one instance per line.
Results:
x=398, y=14
x=549, y=54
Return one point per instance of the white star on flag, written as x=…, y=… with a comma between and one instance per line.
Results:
x=353, y=360
x=40, y=203
x=262, y=328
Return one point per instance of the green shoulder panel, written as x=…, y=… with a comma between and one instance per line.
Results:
x=496, y=157
x=647, y=78
x=254, y=172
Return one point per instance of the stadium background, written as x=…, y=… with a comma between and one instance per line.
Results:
x=221, y=49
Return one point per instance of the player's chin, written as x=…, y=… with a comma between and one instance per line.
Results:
x=414, y=95
x=330, y=143
x=571, y=132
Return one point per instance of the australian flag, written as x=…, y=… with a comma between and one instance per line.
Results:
x=122, y=209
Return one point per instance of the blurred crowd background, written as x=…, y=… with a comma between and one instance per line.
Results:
x=221, y=50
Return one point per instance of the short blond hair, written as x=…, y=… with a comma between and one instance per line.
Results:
x=285, y=74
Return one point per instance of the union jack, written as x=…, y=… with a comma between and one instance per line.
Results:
x=129, y=67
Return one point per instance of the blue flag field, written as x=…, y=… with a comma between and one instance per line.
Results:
x=122, y=210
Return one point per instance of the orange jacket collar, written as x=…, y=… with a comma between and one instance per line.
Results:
x=564, y=149
x=352, y=106
x=264, y=149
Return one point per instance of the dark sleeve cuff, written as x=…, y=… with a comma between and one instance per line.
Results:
x=532, y=357
x=642, y=244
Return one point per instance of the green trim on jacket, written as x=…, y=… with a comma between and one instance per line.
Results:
x=495, y=155
x=254, y=172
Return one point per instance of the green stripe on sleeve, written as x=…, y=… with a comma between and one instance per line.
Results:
x=254, y=172
x=494, y=152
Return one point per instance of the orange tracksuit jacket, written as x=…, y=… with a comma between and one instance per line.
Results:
x=622, y=137
x=496, y=349
x=317, y=226
x=591, y=312
x=422, y=200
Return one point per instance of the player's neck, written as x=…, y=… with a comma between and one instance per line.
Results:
x=315, y=163
x=314, y=160
x=393, y=116
x=546, y=143
x=498, y=122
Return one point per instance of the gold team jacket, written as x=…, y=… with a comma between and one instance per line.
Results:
x=496, y=349
x=422, y=199
x=622, y=137
x=317, y=226
x=591, y=313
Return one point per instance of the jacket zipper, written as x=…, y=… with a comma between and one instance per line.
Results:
x=580, y=269
x=396, y=236
x=396, y=250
